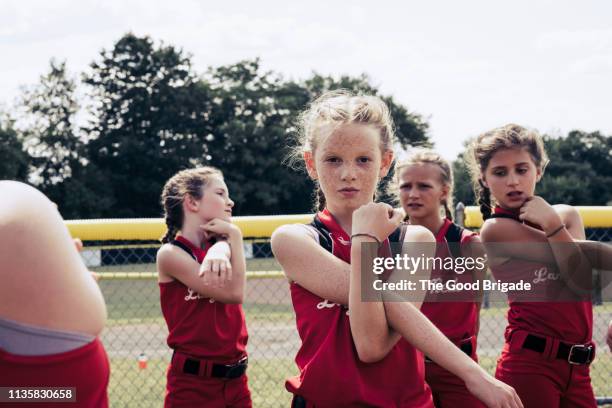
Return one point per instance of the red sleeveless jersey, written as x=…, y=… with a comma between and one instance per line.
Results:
x=331, y=373
x=457, y=320
x=85, y=368
x=571, y=321
x=199, y=326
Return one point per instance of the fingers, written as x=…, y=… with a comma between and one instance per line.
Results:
x=229, y=270
x=78, y=244
x=397, y=217
x=215, y=272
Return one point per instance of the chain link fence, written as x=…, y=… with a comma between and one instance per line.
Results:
x=135, y=335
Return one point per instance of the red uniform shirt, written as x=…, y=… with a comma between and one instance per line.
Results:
x=85, y=368
x=570, y=321
x=331, y=373
x=457, y=320
x=199, y=326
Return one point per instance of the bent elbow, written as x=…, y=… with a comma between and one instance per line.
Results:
x=368, y=352
x=235, y=297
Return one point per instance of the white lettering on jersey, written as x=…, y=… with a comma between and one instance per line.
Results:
x=542, y=275
x=193, y=295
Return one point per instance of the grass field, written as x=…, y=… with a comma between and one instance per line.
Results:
x=135, y=325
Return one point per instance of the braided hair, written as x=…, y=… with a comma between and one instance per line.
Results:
x=185, y=182
x=484, y=146
x=484, y=200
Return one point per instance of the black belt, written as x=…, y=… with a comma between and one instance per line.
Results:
x=298, y=402
x=230, y=370
x=465, y=347
x=578, y=354
x=194, y=366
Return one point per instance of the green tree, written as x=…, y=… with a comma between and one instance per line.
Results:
x=49, y=132
x=13, y=158
x=254, y=118
x=464, y=192
x=58, y=164
x=150, y=120
x=580, y=169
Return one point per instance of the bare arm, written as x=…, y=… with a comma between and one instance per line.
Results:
x=305, y=262
x=371, y=332
x=177, y=264
x=563, y=251
x=37, y=254
x=422, y=334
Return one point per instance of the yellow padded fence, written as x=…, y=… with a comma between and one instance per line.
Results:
x=148, y=229
x=263, y=226
x=592, y=216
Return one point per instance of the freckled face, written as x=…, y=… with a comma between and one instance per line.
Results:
x=421, y=190
x=511, y=176
x=348, y=164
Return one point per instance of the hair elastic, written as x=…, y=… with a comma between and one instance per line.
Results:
x=555, y=231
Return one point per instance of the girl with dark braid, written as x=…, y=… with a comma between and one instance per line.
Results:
x=201, y=269
x=548, y=346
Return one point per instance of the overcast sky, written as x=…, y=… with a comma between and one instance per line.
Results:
x=465, y=66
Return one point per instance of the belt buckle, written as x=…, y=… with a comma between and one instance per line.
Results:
x=237, y=369
x=580, y=347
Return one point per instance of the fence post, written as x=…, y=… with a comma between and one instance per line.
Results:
x=460, y=214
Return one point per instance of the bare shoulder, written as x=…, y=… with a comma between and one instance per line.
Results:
x=500, y=230
x=418, y=233
x=167, y=257
x=289, y=235
x=166, y=252
x=489, y=229
x=567, y=212
x=572, y=220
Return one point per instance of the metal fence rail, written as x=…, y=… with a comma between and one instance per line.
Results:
x=135, y=335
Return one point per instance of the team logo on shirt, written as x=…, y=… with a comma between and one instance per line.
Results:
x=326, y=304
x=193, y=295
x=543, y=275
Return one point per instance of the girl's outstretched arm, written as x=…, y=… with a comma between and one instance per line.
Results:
x=415, y=327
x=369, y=327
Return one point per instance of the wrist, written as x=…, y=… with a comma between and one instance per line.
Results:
x=360, y=237
x=552, y=223
x=234, y=232
x=550, y=232
x=473, y=374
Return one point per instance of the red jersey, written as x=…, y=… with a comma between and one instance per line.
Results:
x=85, y=368
x=199, y=326
x=457, y=320
x=331, y=373
x=570, y=321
